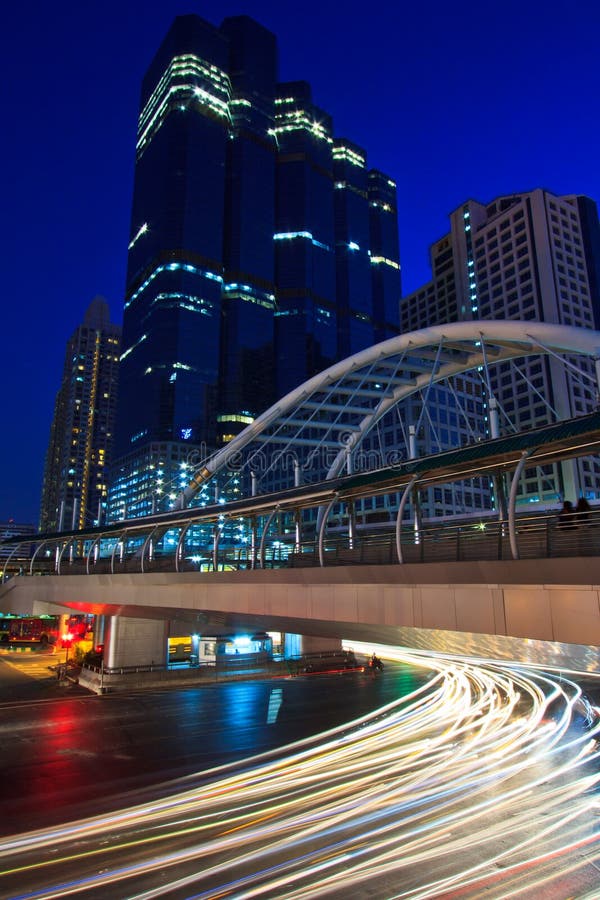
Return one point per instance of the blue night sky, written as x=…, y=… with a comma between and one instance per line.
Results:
x=453, y=100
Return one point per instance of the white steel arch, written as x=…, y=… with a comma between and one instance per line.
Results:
x=337, y=408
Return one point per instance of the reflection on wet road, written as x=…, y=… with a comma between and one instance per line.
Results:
x=482, y=780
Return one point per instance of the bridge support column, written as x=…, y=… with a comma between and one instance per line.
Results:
x=99, y=630
x=135, y=642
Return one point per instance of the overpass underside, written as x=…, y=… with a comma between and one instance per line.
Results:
x=544, y=611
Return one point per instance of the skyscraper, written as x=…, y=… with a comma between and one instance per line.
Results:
x=247, y=271
x=528, y=256
x=81, y=434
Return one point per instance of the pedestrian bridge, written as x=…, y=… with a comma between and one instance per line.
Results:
x=505, y=576
x=460, y=606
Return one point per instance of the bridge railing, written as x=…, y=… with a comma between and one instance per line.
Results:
x=537, y=537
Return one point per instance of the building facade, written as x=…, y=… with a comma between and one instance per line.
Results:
x=531, y=256
x=75, y=486
x=262, y=250
x=12, y=556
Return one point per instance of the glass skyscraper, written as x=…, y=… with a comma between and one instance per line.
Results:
x=75, y=487
x=261, y=251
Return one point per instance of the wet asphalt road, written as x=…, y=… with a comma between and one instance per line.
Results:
x=66, y=753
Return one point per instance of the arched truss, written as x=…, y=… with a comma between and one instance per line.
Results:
x=335, y=410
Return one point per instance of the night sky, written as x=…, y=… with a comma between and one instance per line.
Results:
x=453, y=100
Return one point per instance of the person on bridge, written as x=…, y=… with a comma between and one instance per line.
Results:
x=566, y=517
x=582, y=511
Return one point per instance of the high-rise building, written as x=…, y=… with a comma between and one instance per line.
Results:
x=75, y=486
x=262, y=250
x=529, y=256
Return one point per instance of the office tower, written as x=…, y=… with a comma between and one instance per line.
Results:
x=246, y=382
x=81, y=434
x=236, y=292
x=530, y=256
x=384, y=253
x=306, y=321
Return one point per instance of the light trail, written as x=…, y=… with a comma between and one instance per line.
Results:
x=485, y=779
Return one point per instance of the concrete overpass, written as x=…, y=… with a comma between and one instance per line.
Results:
x=525, y=609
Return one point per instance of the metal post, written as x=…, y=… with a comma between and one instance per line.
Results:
x=417, y=518
x=180, y=542
x=118, y=543
x=93, y=549
x=405, y=495
x=216, y=539
x=254, y=483
x=322, y=529
x=263, y=537
x=149, y=546
x=298, y=531
x=60, y=552
x=512, y=533
x=412, y=442
x=494, y=420
x=35, y=553
x=8, y=559
x=412, y=454
x=253, y=543
x=497, y=479
x=297, y=474
x=499, y=488
x=351, y=524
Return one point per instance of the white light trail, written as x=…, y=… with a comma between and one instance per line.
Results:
x=484, y=780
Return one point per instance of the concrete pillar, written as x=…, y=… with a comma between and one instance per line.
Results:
x=135, y=642
x=99, y=630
